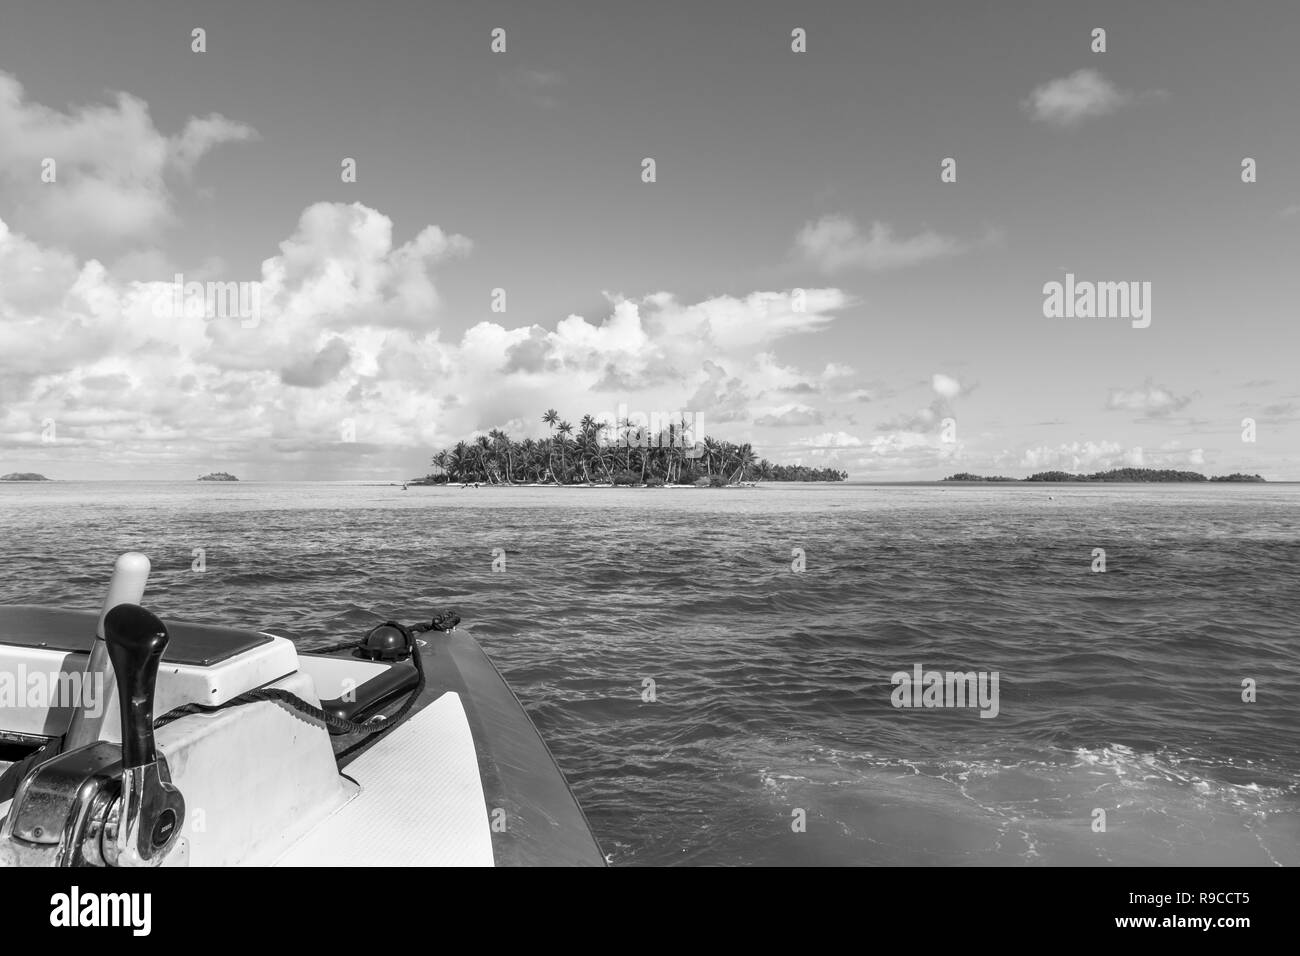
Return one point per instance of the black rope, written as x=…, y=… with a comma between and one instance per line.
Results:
x=398, y=717
x=379, y=724
x=333, y=648
x=293, y=701
x=442, y=621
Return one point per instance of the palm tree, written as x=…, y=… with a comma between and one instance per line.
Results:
x=494, y=457
x=459, y=460
x=484, y=446
x=711, y=451
x=440, y=461
x=625, y=437
x=565, y=430
x=689, y=450
x=600, y=453
x=643, y=448
x=550, y=418
x=528, y=455
x=745, y=455
x=672, y=453
x=589, y=450
x=501, y=440
x=726, y=458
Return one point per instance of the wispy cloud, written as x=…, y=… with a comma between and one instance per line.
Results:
x=1149, y=400
x=790, y=416
x=930, y=419
x=834, y=243
x=1088, y=456
x=1081, y=456
x=1069, y=100
x=827, y=444
x=1280, y=413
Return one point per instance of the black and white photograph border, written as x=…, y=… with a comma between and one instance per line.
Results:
x=745, y=434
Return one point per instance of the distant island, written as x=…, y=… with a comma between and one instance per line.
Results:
x=23, y=476
x=219, y=476
x=611, y=454
x=1115, y=474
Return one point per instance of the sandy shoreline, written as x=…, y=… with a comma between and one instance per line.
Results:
x=481, y=485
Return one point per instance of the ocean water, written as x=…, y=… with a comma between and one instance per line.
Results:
x=1118, y=691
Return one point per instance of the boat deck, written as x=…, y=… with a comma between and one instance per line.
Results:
x=420, y=801
x=465, y=780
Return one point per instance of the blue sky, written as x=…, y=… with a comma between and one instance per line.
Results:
x=776, y=172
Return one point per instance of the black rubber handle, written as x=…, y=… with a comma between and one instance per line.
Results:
x=136, y=639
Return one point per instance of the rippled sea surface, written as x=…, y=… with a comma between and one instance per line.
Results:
x=1118, y=691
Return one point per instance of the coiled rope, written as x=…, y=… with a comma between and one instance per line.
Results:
x=443, y=621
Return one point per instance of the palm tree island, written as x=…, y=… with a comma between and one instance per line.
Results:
x=622, y=454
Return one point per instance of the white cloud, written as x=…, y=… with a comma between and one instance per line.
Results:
x=1069, y=100
x=829, y=440
x=200, y=136
x=111, y=162
x=1149, y=399
x=835, y=370
x=931, y=418
x=834, y=243
x=891, y=443
x=945, y=386
x=349, y=332
x=340, y=268
x=901, y=451
x=787, y=416
x=1075, y=457
x=739, y=323
x=826, y=448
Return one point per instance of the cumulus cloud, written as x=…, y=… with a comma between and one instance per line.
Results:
x=721, y=397
x=1069, y=100
x=111, y=162
x=945, y=386
x=834, y=243
x=314, y=371
x=1149, y=400
x=347, y=343
x=340, y=267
